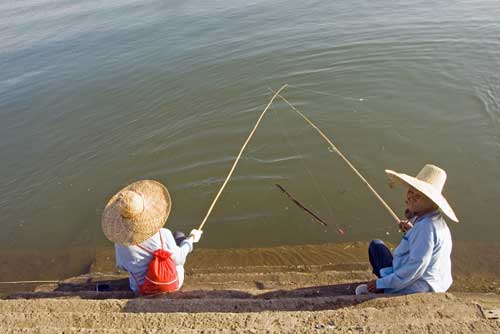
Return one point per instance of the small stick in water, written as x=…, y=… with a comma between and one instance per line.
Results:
x=300, y=205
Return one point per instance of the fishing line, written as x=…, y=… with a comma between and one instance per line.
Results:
x=336, y=150
x=327, y=93
x=302, y=161
x=58, y=282
x=30, y=282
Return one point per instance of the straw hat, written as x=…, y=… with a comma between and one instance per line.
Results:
x=429, y=181
x=136, y=213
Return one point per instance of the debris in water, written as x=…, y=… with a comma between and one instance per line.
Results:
x=300, y=205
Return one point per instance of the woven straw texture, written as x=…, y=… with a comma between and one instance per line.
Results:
x=136, y=213
x=429, y=181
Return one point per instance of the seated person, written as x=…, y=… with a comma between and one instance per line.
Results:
x=151, y=254
x=421, y=262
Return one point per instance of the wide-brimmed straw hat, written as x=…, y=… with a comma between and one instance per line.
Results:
x=136, y=213
x=429, y=181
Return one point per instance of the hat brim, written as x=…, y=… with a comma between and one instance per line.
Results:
x=157, y=206
x=426, y=189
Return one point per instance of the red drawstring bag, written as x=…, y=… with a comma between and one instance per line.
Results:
x=161, y=275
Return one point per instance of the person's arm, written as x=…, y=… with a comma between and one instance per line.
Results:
x=421, y=245
x=179, y=253
x=118, y=259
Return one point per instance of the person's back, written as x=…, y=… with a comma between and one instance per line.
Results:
x=133, y=220
x=135, y=260
x=438, y=272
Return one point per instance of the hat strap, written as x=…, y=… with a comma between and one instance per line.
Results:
x=161, y=239
x=145, y=249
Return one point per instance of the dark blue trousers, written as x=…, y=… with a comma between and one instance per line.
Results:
x=380, y=256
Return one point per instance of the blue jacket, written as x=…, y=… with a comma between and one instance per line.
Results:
x=422, y=260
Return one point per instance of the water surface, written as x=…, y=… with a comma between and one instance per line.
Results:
x=97, y=94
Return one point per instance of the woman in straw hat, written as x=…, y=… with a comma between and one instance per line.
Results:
x=133, y=219
x=421, y=262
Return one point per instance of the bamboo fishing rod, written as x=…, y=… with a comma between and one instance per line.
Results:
x=239, y=156
x=388, y=208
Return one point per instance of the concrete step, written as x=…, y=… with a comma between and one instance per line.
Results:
x=438, y=313
x=167, y=305
x=213, y=285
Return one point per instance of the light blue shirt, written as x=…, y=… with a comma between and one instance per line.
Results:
x=135, y=260
x=422, y=260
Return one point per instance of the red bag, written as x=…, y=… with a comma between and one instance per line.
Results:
x=161, y=275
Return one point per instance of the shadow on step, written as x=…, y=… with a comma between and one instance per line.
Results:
x=325, y=297
x=315, y=291
x=317, y=298
x=82, y=287
x=306, y=299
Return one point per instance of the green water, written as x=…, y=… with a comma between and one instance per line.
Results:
x=97, y=94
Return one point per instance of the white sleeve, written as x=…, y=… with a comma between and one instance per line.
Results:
x=179, y=253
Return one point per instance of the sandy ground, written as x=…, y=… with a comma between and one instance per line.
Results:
x=403, y=314
x=253, y=291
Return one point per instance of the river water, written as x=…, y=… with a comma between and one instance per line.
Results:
x=97, y=94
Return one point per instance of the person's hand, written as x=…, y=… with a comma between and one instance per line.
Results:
x=405, y=226
x=195, y=235
x=372, y=287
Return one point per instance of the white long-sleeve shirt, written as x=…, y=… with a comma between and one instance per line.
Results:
x=135, y=260
x=422, y=260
